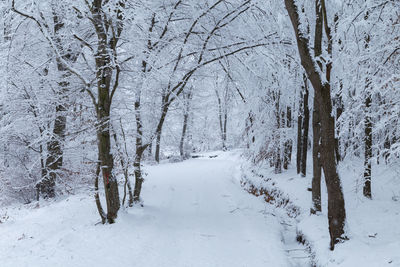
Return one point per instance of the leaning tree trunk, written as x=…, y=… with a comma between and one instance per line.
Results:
x=336, y=206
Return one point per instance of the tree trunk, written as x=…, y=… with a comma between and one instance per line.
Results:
x=182, y=141
x=287, y=155
x=222, y=118
x=106, y=166
x=302, y=130
x=54, y=160
x=336, y=206
x=367, y=131
x=104, y=74
x=138, y=176
x=125, y=167
x=306, y=125
x=140, y=148
x=277, y=147
x=316, y=180
x=224, y=147
x=339, y=111
x=102, y=214
x=187, y=97
x=367, y=147
x=299, y=133
x=158, y=145
x=164, y=111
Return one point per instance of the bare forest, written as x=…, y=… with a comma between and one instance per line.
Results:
x=199, y=133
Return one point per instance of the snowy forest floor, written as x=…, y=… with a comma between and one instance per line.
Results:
x=372, y=225
x=195, y=214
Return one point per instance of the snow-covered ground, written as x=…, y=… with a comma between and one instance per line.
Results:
x=373, y=226
x=195, y=214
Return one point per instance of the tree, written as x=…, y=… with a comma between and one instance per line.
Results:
x=303, y=123
x=336, y=207
x=107, y=29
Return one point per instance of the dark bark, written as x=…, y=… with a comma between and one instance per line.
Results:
x=339, y=111
x=288, y=146
x=306, y=125
x=336, y=206
x=367, y=131
x=316, y=180
x=164, y=112
x=106, y=48
x=277, y=160
x=302, y=130
x=367, y=148
x=299, y=134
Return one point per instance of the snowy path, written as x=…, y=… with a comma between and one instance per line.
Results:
x=195, y=214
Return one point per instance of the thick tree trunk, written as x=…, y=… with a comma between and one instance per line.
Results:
x=106, y=166
x=54, y=160
x=104, y=75
x=336, y=206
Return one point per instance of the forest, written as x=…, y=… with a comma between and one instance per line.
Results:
x=199, y=133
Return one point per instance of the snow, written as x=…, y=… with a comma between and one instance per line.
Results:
x=195, y=214
x=372, y=225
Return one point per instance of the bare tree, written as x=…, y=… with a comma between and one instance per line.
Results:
x=336, y=207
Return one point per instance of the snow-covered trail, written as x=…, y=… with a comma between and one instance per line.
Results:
x=195, y=214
